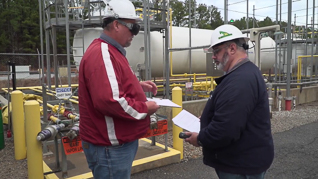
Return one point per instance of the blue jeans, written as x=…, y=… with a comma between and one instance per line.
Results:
x=223, y=175
x=110, y=162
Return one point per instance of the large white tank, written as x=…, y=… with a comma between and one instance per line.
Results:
x=180, y=39
x=298, y=49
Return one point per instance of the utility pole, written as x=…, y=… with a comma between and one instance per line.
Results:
x=247, y=15
x=289, y=57
x=253, y=16
x=225, y=11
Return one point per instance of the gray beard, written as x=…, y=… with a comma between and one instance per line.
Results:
x=225, y=60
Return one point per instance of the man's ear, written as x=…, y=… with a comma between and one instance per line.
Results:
x=115, y=25
x=233, y=48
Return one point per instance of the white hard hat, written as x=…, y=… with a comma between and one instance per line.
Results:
x=123, y=9
x=225, y=33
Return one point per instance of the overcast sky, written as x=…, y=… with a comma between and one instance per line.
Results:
x=263, y=8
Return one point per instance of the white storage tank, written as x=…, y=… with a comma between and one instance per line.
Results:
x=180, y=39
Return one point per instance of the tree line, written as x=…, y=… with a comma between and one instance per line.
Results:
x=20, y=27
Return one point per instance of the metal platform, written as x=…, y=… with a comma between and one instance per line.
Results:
x=93, y=22
x=148, y=157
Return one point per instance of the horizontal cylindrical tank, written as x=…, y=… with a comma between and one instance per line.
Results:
x=181, y=59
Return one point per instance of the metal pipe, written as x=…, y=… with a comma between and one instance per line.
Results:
x=280, y=57
x=312, y=38
x=289, y=56
x=188, y=48
x=45, y=104
x=190, y=52
x=64, y=161
x=55, y=61
x=13, y=72
x=41, y=40
x=52, y=94
x=67, y=43
x=306, y=35
x=168, y=37
x=277, y=66
x=270, y=99
x=57, y=157
x=149, y=43
x=295, y=84
x=36, y=87
x=146, y=36
x=39, y=64
x=48, y=60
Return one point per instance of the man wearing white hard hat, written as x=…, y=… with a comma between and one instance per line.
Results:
x=235, y=130
x=113, y=107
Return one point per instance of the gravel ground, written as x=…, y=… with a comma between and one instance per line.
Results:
x=281, y=121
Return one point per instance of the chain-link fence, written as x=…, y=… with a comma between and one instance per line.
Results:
x=32, y=60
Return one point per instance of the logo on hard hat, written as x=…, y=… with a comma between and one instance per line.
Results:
x=224, y=34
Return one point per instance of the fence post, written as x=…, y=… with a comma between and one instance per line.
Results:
x=177, y=98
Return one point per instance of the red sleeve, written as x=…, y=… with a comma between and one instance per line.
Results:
x=107, y=90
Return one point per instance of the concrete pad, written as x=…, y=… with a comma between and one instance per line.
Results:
x=147, y=157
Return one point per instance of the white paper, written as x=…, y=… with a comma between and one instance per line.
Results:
x=164, y=102
x=187, y=121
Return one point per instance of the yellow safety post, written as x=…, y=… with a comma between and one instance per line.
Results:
x=33, y=127
x=18, y=125
x=177, y=98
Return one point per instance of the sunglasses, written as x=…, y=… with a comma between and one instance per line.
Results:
x=133, y=27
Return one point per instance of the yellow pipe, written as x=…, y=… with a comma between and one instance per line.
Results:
x=54, y=119
x=4, y=89
x=304, y=56
x=72, y=100
x=181, y=79
x=53, y=87
x=299, y=71
x=171, y=66
x=49, y=105
x=55, y=109
x=33, y=127
x=299, y=65
x=177, y=98
x=53, y=92
x=18, y=125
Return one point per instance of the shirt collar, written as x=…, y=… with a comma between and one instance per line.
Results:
x=113, y=42
x=218, y=80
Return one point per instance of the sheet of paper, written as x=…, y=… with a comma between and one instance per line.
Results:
x=164, y=102
x=187, y=121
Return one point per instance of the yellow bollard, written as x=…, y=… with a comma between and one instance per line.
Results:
x=33, y=127
x=177, y=98
x=18, y=125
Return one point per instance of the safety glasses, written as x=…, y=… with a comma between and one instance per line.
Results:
x=133, y=27
x=216, y=51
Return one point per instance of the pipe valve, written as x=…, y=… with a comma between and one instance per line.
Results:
x=49, y=132
x=153, y=121
x=74, y=132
